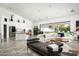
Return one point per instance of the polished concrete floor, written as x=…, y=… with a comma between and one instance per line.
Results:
x=15, y=48
x=19, y=48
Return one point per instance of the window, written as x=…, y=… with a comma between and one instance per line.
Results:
x=23, y=21
x=11, y=18
x=5, y=19
x=18, y=21
x=56, y=27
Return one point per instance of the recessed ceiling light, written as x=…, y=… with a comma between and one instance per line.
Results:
x=49, y=6
x=72, y=10
x=10, y=8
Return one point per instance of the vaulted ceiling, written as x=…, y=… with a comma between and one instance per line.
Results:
x=42, y=11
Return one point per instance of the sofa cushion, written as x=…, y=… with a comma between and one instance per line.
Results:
x=40, y=46
x=32, y=40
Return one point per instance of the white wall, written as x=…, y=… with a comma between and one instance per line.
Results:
x=6, y=14
x=0, y=25
x=71, y=18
